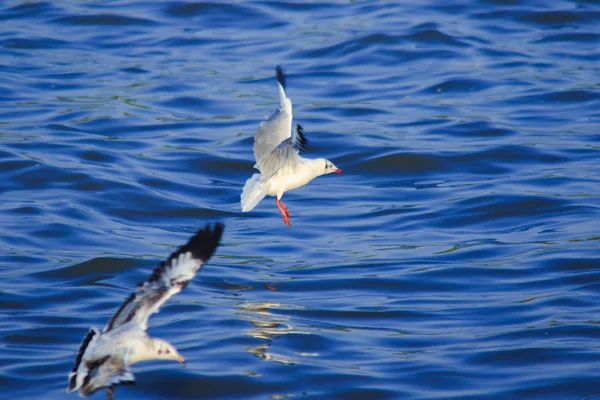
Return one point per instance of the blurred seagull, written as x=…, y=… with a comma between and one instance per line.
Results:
x=276, y=150
x=104, y=357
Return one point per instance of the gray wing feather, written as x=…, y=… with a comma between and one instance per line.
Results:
x=107, y=372
x=273, y=131
x=282, y=158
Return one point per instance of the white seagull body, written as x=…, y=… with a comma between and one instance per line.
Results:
x=104, y=357
x=276, y=150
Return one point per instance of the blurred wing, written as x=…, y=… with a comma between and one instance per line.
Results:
x=122, y=376
x=277, y=128
x=105, y=372
x=89, y=338
x=169, y=278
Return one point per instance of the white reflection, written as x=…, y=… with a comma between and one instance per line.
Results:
x=267, y=327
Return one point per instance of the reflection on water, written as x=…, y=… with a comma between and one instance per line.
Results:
x=268, y=327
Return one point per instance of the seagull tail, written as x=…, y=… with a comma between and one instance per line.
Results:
x=253, y=193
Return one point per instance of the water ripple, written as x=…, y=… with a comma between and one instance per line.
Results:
x=458, y=251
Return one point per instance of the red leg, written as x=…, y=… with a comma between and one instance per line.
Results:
x=284, y=209
x=284, y=212
x=271, y=286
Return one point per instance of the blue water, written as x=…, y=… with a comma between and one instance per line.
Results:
x=457, y=257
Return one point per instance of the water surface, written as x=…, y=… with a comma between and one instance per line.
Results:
x=456, y=258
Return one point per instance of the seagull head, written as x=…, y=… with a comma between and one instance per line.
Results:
x=330, y=167
x=166, y=351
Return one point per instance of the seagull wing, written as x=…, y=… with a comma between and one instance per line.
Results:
x=168, y=278
x=118, y=377
x=277, y=128
x=108, y=371
x=90, y=338
x=286, y=155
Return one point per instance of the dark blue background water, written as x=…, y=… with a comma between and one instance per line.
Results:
x=456, y=258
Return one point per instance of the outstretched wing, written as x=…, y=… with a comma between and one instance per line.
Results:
x=168, y=278
x=277, y=128
x=84, y=345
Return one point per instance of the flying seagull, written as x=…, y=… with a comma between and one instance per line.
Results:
x=276, y=150
x=105, y=357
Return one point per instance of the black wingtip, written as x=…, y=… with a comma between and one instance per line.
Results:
x=301, y=140
x=280, y=75
x=204, y=243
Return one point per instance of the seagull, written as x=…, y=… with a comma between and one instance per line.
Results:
x=277, y=153
x=104, y=357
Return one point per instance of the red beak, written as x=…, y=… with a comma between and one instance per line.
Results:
x=339, y=171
